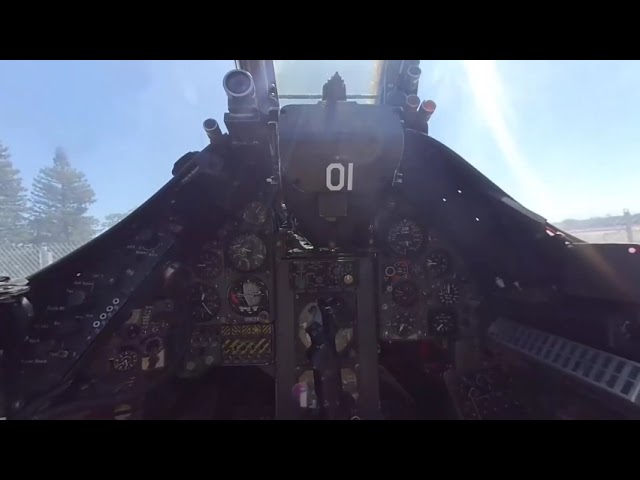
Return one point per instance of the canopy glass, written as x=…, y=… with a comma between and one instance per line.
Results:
x=299, y=79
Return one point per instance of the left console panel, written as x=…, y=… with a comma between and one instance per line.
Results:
x=76, y=303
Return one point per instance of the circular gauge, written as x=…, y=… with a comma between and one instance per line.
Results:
x=209, y=264
x=204, y=302
x=403, y=325
x=247, y=252
x=442, y=322
x=401, y=269
x=405, y=293
x=438, y=262
x=249, y=297
x=255, y=214
x=126, y=360
x=448, y=293
x=153, y=346
x=405, y=237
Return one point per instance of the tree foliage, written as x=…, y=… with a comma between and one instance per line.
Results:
x=111, y=219
x=13, y=201
x=60, y=199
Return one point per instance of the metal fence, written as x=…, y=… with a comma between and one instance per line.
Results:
x=614, y=234
x=614, y=229
x=18, y=261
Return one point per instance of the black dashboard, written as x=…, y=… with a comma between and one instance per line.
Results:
x=312, y=283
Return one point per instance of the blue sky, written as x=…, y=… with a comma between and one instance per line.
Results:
x=562, y=137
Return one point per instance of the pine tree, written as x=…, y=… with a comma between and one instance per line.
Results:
x=60, y=198
x=13, y=201
x=113, y=218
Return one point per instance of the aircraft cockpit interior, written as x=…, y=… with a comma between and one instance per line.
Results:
x=325, y=258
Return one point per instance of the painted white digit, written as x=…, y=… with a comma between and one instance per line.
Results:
x=330, y=185
x=341, y=178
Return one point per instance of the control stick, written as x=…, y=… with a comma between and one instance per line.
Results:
x=326, y=365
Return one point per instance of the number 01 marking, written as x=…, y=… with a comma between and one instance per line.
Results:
x=336, y=187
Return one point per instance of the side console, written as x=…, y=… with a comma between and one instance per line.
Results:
x=119, y=287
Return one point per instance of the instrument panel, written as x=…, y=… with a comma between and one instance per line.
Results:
x=423, y=293
x=198, y=300
x=230, y=299
x=423, y=287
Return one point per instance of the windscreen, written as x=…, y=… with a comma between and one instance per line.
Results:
x=298, y=79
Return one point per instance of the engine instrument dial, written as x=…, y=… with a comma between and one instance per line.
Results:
x=209, y=264
x=442, y=322
x=205, y=302
x=449, y=293
x=401, y=269
x=405, y=293
x=125, y=361
x=403, y=325
x=438, y=262
x=405, y=237
x=255, y=214
x=249, y=297
x=247, y=252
